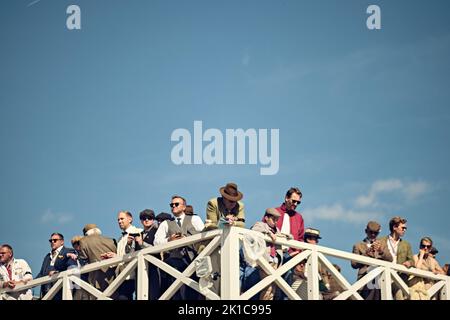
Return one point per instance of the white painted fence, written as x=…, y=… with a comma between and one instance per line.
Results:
x=227, y=242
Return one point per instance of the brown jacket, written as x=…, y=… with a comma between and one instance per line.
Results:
x=91, y=247
x=362, y=249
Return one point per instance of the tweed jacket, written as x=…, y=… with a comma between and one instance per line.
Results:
x=216, y=209
x=361, y=248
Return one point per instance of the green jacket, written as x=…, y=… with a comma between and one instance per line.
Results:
x=404, y=251
x=215, y=210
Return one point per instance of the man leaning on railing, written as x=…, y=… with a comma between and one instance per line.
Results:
x=12, y=273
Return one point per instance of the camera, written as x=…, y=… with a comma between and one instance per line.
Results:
x=134, y=234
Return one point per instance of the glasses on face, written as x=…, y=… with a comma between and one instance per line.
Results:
x=53, y=240
x=175, y=204
x=296, y=202
x=146, y=219
x=374, y=232
x=423, y=246
x=230, y=202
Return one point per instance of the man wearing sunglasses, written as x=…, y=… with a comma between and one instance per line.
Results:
x=57, y=260
x=170, y=230
x=373, y=248
x=291, y=221
x=400, y=250
x=145, y=240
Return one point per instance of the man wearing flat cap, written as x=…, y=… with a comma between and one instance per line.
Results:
x=227, y=209
x=268, y=227
x=92, y=247
x=373, y=248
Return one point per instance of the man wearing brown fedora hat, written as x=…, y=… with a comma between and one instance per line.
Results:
x=227, y=209
x=373, y=248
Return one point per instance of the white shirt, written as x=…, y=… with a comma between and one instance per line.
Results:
x=162, y=236
x=20, y=270
x=121, y=248
x=286, y=228
x=123, y=240
x=56, y=253
x=393, y=247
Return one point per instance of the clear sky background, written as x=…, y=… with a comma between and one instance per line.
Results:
x=86, y=115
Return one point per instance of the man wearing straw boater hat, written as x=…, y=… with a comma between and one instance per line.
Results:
x=227, y=209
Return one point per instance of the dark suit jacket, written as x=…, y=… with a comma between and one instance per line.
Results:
x=62, y=262
x=148, y=238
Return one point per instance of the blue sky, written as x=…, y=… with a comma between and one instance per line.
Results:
x=86, y=115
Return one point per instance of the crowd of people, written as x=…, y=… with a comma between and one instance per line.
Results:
x=227, y=209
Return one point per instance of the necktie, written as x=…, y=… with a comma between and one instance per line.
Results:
x=124, y=233
x=8, y=268
x=179, y=222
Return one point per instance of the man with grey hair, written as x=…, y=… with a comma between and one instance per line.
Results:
x=92, y=247
x=12, y=273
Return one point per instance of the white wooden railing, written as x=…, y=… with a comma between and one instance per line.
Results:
x=227, y=243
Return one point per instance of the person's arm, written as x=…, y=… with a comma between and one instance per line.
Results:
x=418, y=259
x=356, y=265
x=240, y=221
x=385, y=254
x=211, y=213
x=161, y=234
x=71, y=263
x=260, y=227
x=145, y=245
x=301, y=229
x=409, y=258
x=436, y=267
x=83, y=256
x=198, y=223
x=41, y=272
x=27, y=274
